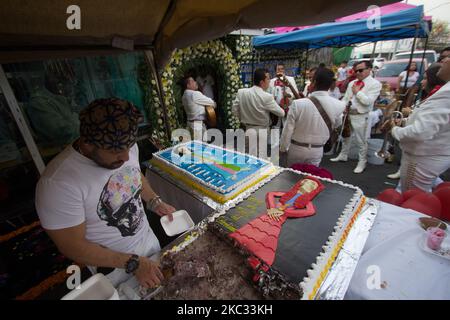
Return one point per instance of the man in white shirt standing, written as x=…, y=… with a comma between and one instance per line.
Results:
x=194, y=103
x=89, y=198
x=282, y=93
x=305, y=132
x=425, y=139
x=253, y=107
x=362, y=94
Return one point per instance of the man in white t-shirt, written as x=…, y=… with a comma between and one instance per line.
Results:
x=89, y=198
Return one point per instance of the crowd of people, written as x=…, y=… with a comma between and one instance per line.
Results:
x=91, y=197
x=344, y=100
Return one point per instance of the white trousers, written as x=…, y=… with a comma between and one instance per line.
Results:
x=256, y=138
x=196, y=128
x=299, y=154
x=359, y=124
x=421, y=171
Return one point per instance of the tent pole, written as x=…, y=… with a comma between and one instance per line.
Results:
x=410, y=58
x=374, y=49
x=419, y=94
x=305, y=64
x=150, y=55
x=19, y=117
x=253, y=66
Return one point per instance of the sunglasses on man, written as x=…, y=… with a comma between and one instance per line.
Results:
x=361, y=70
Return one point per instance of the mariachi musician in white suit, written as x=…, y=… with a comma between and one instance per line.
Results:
x=361, y=95
x=425, y=139
x=195, y=103
x=282, y=91
x=254, y=105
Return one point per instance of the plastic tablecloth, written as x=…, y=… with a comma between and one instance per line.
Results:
x=393, y=264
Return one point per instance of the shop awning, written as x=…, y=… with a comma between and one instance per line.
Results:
x=37, y=29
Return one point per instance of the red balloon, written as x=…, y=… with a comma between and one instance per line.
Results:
x=411, y=193
x=444, y=196
x=442, y=185
x=391, y=196
x=426, y=203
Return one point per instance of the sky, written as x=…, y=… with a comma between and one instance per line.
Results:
x=438, y=9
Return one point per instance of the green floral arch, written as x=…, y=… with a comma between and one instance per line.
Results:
x=211, y=53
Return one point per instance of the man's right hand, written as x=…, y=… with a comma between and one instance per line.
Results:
x=148, y=274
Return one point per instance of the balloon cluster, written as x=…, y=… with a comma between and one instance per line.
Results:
x=435, y=204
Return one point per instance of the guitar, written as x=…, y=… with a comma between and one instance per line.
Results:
x=284, y=103
x=211, y=118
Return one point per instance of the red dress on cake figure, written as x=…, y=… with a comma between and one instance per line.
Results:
x=260, y=236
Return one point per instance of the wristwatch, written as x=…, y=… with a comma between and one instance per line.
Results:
x=132, y=264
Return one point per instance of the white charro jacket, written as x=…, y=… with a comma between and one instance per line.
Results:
x=364, y=100
x=427, y=131
x=254, y=105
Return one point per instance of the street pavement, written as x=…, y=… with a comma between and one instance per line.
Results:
x=372, y=181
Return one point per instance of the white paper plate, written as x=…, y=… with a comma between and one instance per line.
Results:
x=444, y=252
x=181, y=222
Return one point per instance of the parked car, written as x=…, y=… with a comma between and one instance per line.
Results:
x=391, y=70
x=430, y=55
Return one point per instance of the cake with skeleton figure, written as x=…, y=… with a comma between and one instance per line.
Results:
x=218, y=173
x=288, y=229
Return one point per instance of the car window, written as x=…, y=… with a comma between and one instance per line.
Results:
x=394, y=69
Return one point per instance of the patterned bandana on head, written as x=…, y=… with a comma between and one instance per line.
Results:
x=110, y=124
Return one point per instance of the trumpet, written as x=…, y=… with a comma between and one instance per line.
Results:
x=383, y=152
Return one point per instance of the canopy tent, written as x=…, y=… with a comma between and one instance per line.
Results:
x=384, y=10
x=37, y=29
x=398, y=25
x=390, y=8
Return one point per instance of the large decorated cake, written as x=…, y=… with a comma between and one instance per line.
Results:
x=288, y=231
x=218, y=173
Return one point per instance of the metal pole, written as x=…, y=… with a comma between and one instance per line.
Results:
x=306, y=66
x=410, y=58
x=151, y=60
x=374, y=49
x=20, y=121
x=253, y=66
x=419, y=94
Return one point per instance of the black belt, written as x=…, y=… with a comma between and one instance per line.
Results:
x=307, y=145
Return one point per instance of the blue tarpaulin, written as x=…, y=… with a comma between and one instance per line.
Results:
x=398, y=25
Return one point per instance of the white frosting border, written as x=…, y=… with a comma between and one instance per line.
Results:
x=227, y=192
x=312, y=274
x=307, y=285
